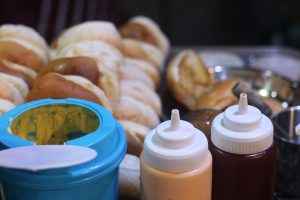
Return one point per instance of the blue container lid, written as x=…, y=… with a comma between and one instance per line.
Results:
x=108, y=140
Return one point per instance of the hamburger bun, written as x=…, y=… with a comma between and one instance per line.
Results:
x=134, y=144
x=131, y=73
x=9, y=92
x=106, y=54
x=188, y=78
x=92, y=30
x=53, y=85
x=83, y=66
x=129, y=178
x=147, y=67
x=17, y=82
x=22, y=52
x=144, y=51
x=25, y=73
x=137, y=111
x=145, y=29
x=6, y=106
x=142, y=93
x=25, y=33
x=219, y=97
x=136, y=129
x=110, y=84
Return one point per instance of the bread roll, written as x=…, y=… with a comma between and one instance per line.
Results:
x=137, y=111
x=131, y=73
x=27, y=74
x=22, y=52
x=53, y=85
x=81, y=65
x=6, y=106
x=134, y=144
x=89, y=68
x=25, y=33
x=9, y=92
x=93, y=30
x=147, y=67
x=145, y=29
x=219, y=97
x=111, y=86
x=188, y=78
x=129, y=178
x=135, y=129
x=144, y=51
x=142, y=93
x=105, y=54
x=17, y=82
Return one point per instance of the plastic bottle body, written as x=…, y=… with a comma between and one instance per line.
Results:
x=192, y=185
x=246, y=177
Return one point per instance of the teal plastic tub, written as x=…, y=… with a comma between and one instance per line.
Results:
x=93, y=180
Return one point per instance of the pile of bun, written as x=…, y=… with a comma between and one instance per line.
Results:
x=22, y=53
x=119, y=69
x=192, y=84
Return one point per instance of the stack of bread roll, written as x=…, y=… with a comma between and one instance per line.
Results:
x=145, y=49
x=22, y=53
x=118, y=69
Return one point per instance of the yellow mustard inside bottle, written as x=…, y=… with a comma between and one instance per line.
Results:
x=54, y=124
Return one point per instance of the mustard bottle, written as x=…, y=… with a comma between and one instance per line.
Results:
x=176, y=163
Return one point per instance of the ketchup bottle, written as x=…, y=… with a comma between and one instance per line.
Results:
x=244, y=154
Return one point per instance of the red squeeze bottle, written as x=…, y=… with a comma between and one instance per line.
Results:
x=244, y=154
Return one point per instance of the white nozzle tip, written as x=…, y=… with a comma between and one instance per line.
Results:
x=243, y=104
x=175, y=119
x=297, y=129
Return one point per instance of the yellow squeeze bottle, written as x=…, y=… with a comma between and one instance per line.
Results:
x=176, y=163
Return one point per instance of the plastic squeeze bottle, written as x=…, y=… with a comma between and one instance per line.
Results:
x=244, y=154
x=176, y=163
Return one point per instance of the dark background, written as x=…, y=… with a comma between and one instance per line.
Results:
x=186, y=22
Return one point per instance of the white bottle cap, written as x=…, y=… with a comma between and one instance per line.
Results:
x=175, y=146
x=242, y=129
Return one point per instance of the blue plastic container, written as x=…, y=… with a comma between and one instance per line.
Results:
x=94, y=180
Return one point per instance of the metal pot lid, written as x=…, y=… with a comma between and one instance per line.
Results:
x=44, y=157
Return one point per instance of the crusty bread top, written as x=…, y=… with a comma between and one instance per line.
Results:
x=142, y=93
x=17, y=82
x=136, y=129
x=188, y=78
x=145, y=51
x=25, y=73
x=6, y=106
x=134, y=144
x=145, y=29
x=110, y=84
x=9, y=92
x=92, y=30
x=105, y=54
x=219, y=97
x=23, y=32
x=131, y=73
x=147, y=67
x=53, y=85
x=81, y=65
x=137, y=111
x=22, y=52
x=91, y=87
